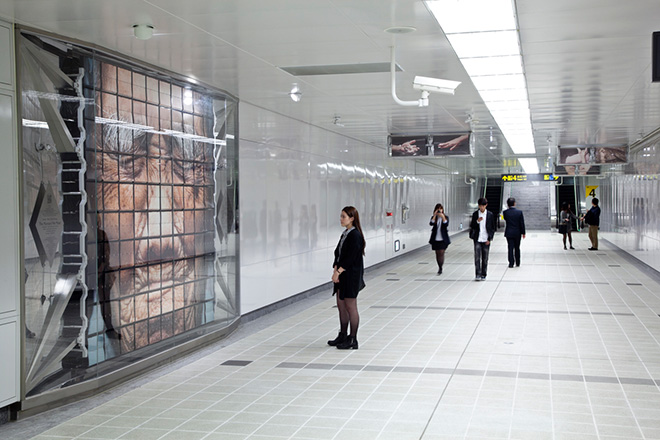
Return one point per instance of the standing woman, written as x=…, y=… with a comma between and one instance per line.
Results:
x=348, y=277
x=566, y=218
x=439, y=237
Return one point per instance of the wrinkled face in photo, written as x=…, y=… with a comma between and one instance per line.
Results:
x=154, y=196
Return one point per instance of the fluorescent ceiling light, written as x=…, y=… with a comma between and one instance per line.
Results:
x=506, y=65
x=503, y=95
x=515, y=128
x=520, y=107
x=520, y=144
x=484, y=35
x=519, y=137
x=499, y=82
x=485, y=44
x=473, y=15
x=522, y=116
x=529, y=164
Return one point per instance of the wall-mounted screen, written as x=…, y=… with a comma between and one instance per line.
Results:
x=592, y=154
x=430, y=145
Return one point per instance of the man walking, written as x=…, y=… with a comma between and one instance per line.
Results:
x=482, y=230
x=592, y=218
x=515, y=228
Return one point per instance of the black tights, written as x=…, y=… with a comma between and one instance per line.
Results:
x=440, y=257
x=348, y=314
x=570, y=239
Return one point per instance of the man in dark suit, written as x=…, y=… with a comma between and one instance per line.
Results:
x=592, y=218
x=515, y=228
x=482, y=230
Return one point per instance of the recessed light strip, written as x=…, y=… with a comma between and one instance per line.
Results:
x=484, y=35
x=529, y=164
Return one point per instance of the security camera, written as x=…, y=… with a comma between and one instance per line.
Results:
x=436, y=85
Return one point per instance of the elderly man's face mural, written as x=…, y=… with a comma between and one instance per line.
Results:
x=155, y=202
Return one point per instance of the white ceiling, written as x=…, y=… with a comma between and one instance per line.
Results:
x=588, y=62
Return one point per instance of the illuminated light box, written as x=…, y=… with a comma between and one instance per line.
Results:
x=592, y=154
x=430, y=145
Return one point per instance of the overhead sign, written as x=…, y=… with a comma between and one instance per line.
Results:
x=529, y=177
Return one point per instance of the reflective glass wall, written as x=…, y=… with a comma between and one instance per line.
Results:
x=129, y=209
x=629, y=202
x=290, y=227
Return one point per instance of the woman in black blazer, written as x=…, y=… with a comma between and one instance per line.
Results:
x=439, y=237
x=348, y=278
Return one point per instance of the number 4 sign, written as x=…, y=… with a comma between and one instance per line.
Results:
x=591, y=191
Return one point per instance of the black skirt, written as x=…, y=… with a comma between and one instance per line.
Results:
x=439, y=245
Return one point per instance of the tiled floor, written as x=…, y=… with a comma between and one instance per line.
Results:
x=565, y=347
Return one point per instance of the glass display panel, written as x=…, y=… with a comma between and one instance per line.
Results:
x=130, y=190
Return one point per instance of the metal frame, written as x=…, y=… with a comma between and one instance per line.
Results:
x=35, y=404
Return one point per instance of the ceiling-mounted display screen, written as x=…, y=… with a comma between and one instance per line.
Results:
x=430, y=145
x=592, y=154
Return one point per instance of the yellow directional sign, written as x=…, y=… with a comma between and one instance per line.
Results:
x=514, y=177
x=591, y=190
x=528, y=177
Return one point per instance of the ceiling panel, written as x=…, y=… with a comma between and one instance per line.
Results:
x=587, y=63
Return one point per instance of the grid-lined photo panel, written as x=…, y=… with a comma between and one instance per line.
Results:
x=152, y=183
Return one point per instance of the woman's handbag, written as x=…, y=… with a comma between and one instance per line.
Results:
x=562, y=229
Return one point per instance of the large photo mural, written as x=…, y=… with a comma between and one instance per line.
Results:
x=130, y=207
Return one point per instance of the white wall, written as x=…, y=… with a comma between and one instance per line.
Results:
x=9, y=232
x=294, y=181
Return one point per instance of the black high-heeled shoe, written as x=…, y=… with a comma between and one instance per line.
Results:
x=350, y=343
x=341, y=338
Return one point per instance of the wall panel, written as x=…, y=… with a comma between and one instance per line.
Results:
x=10, y=273
x=304, y=175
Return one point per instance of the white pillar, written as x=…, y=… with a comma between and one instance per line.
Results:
x=10, y=231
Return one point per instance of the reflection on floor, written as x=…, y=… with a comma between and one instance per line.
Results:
x=565, y=346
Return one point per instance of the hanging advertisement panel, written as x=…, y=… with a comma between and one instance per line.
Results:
x=430, y=145
x=592, y=154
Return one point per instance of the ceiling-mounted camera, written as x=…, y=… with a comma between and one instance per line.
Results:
x=435, y=85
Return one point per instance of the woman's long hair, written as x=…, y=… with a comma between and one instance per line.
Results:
x=353, y=213
x=438, y=206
